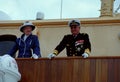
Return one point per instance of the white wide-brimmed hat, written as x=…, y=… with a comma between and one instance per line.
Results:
x=27, y=23
x=74, y=22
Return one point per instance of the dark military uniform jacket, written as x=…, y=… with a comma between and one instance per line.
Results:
x=75, y=45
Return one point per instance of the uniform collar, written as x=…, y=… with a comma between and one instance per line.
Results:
x=22, y=36
x=76, y=35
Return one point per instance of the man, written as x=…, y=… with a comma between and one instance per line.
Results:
x=76, y=44
x=27, y=44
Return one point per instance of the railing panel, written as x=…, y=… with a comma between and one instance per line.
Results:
x=70, y=69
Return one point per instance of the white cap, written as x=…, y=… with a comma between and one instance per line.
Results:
x=74, y=22
x=27, y=23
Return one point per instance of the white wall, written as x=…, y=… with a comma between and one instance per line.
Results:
x=104, y=36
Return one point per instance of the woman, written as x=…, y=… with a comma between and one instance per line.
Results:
x=27, y=44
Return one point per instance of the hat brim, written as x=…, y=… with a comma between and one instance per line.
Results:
x=75, y=24
x=22, y=27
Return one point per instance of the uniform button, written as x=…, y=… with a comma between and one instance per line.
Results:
x=73, y=54
x=68, y=45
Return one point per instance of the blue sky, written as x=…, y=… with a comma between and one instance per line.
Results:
x=27, y=9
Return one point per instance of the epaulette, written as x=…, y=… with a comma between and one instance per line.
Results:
x=83, y=33
x=68, y=35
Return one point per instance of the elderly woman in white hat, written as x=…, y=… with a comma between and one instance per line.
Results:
x=27, y=44
x=76, y=43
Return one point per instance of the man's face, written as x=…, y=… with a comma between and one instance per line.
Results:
x=75, y=29
x=27, y=30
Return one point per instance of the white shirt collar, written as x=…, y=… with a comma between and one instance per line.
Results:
x=25, y=37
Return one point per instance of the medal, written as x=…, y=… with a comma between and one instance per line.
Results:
x=78, y=49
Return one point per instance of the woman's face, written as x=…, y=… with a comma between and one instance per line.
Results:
x=27, y=30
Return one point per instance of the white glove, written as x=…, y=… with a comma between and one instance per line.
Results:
x=50, y=56
x=85, y=55
x=35, y=56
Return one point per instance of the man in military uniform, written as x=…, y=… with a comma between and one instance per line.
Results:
x=76, y=44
